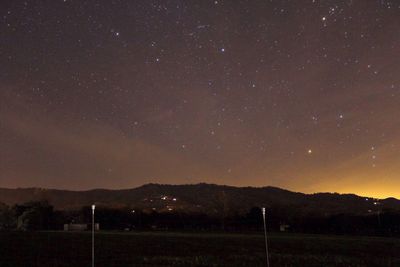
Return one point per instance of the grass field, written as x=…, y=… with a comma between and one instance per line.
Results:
x=185, y=249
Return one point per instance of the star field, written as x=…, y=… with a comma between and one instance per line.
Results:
x=298, y=94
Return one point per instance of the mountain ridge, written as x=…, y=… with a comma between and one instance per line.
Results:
x=203, y=198
x=195, y=184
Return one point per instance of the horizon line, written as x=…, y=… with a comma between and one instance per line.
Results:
x=194, y=184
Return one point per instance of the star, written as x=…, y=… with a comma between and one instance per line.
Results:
x=191, y=88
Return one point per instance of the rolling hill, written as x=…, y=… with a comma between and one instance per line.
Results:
x=203, y=198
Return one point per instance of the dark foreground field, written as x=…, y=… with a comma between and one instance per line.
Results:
x=176, y=249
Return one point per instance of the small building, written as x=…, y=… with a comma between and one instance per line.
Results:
x=80, y=227
x=284, y=227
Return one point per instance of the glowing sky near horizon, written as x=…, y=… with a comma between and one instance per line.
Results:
x=303, y=95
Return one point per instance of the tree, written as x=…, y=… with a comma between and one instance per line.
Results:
x=7, y=220
x=34, y=216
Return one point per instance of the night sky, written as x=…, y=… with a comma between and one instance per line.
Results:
x=300, y=94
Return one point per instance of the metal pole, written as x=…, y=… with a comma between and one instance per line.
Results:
x=265, y=237
x=93, y=208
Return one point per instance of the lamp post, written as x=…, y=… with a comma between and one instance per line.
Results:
x=265, y=237
x=93, y=226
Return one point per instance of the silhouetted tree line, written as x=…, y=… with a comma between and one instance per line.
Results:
x=33, y=216
x=29, y=216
